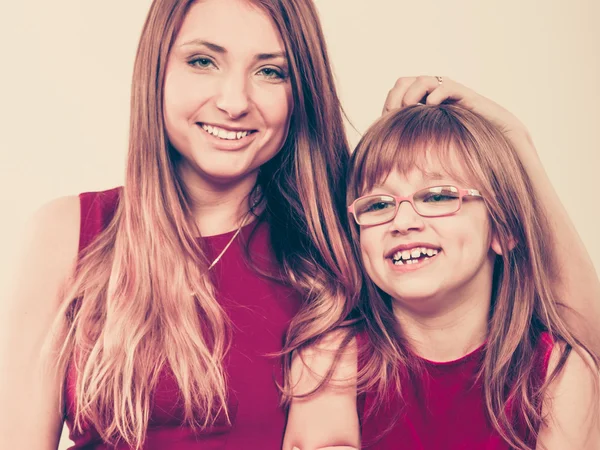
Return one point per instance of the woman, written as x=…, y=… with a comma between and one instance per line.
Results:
x=149, y=372
x=165, y=339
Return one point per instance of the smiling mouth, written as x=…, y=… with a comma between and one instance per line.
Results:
x=226, y=135
x=413, y=256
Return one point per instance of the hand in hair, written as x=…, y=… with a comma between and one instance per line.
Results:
x=428, y=90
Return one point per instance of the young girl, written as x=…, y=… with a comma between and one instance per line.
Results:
x=463, y=344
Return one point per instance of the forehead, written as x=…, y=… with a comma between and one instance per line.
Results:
x=236, y=25
x=427, y=167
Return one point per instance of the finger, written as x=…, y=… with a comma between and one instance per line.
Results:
x=420, y=90
x=396, y=94
x=450, y=90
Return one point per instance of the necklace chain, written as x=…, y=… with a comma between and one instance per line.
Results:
x=257, y=199
x=216, y=260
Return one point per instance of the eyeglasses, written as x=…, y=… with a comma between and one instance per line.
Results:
x=435, y=201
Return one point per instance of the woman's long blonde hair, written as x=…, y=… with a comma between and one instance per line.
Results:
x=523, y=302
x=129, y=313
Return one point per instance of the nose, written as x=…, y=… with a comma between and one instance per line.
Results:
x=233, y=96
x=406, y=219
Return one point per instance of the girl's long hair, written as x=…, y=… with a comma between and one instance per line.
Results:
x=523, y=302
x=129, y=313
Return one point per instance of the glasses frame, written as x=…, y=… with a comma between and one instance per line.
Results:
x=399, y=199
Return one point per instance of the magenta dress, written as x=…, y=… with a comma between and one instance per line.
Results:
x=260, y=311
x=443, y=409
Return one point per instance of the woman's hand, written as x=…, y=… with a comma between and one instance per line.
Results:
x=435, y=90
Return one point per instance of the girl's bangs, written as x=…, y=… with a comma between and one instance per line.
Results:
x=410, y=139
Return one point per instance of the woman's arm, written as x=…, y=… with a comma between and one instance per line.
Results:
x=571, y=406
x=30, y=415
x=327, y=419
x=578, y=285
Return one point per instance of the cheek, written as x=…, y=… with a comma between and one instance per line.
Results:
x=184, y=93
x=370, y=248
x=472, y=239
x=276, y=105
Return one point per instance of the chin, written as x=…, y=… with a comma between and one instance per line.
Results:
x=412, y=294
x=224, y=170
x=413, y=297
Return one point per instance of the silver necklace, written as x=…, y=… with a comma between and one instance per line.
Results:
x=229, y=243
x=255, y=202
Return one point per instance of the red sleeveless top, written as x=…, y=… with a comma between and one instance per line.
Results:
x=260, y=311
x=444, y=409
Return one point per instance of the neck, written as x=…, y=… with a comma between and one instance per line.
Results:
x=446, y=329
x=218, y=207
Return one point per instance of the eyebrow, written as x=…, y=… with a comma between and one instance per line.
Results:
x=222, y=50
x=434, y=176
x=427, y=176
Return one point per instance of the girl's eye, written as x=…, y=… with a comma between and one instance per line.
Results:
x=377, y=206
x=438, y=198
x=272, y=73
x=201, y=63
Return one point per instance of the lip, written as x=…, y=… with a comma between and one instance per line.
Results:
x=410, y=246
x=227, y=144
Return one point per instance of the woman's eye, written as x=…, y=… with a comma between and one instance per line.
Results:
x=201, y=63
x=272, y=73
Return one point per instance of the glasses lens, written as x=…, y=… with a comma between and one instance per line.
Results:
x=437, y=201
x=374, y=209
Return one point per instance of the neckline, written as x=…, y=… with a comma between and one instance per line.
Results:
x=455, y=362
x=229, y=234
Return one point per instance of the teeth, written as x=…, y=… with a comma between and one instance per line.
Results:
x=224, y=134
x=409, y=255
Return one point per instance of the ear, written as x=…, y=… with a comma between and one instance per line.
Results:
x=497, y=248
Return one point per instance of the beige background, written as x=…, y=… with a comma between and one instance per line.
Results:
x=66, y=67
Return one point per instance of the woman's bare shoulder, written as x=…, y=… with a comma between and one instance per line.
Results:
x=571, y=405
x=29, y=386
x=48, y=249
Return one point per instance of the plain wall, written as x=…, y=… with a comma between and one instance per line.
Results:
x=66, y=68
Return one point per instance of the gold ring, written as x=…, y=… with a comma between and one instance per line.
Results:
x=440, y=80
